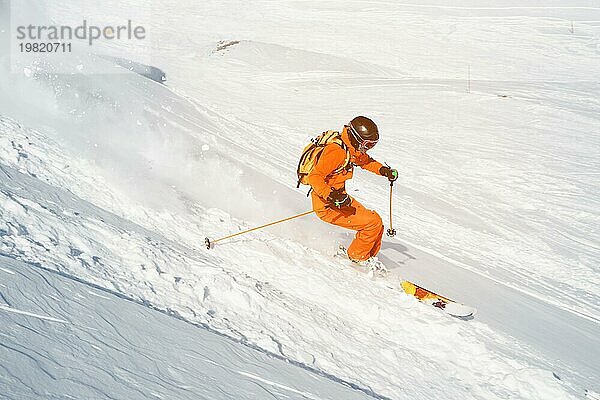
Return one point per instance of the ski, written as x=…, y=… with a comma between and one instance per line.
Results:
x=428, y=297
x=378, y=270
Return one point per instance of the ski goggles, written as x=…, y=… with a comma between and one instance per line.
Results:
x=363, y=144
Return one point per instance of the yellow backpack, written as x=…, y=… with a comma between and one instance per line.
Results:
x=312, y=153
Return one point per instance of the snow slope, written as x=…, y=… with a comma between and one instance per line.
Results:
x=62, y=338
x=118, y=179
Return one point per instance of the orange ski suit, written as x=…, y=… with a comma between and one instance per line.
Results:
x=367, y=223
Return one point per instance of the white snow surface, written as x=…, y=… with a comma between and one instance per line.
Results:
x=490, y=112
x=102, y=349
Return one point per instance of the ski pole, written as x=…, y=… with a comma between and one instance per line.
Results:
x=210, y=243
x=391, y=232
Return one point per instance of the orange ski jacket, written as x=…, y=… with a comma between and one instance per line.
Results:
x=322, y=179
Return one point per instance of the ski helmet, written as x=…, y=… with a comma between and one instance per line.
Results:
x=363, y=133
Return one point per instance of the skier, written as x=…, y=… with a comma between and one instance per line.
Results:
x=332, y=203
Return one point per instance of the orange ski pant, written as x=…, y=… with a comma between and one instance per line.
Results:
x=367, y=224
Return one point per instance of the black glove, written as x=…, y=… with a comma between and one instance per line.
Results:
x=389, y=173
x=338, y=198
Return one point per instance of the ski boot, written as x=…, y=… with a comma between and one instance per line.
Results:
x=372, y=264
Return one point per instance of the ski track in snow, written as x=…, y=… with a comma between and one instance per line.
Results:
x=278, y=385
x=8, y=271
x=30, y=314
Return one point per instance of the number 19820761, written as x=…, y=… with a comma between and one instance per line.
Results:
x=45, y=47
